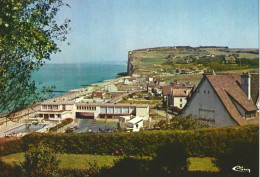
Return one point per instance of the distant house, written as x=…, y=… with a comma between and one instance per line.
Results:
x=55, y=110
x=97, y=95
x=135, y=124
x=230, y=59
x=130, y=81
x=113, y=88
x=226, y=99
x=177, y=94
x=154, y=89
x=178, y=97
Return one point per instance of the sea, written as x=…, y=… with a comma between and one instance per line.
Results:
x=67, y=77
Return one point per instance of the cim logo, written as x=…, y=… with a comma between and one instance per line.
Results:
x=241, y=169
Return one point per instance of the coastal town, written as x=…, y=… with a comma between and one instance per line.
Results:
x=129, y=88
x=138, y=102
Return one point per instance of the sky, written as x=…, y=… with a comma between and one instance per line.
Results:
x=105, y=30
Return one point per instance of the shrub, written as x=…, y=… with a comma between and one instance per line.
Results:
x=40, y=161
x=245, y=154
x=127, y=167
x=202, y=142
x=181, y=123
x=170, y=160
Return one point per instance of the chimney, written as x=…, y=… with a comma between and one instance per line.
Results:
x=246, y=84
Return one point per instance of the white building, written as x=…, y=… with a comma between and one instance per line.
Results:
x=224, y=99
x=53, y=110
x=135, y=124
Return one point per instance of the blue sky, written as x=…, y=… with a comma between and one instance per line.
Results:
x=105, y=30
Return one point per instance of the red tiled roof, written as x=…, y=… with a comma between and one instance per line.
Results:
x=180, y=92
x=167, y=90
x=227, y=89
x=97, y=94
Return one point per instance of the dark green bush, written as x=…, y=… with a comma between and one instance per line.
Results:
x=9, y=170
x=203, y=142
x=10, y=147
x=127, y=167
x=245, y=154
x=170, y=160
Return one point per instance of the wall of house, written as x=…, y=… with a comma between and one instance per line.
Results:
x=113, y=88
x=96, y=111
x=142, y=112
x=179, y=102
x=205, y=103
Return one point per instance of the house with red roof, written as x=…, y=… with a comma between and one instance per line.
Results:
x=225, y=99
x=177, y=94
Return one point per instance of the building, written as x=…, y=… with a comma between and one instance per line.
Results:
x=178, y=97
x=230, y=60
x=93, y=111
x=135, y=124
x=177, y=94
x=97, y=95
x=56, y=111
x=130, y=81
x=225, y=100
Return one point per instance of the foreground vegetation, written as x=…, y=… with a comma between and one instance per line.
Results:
x=148, y=153
x=83, y=161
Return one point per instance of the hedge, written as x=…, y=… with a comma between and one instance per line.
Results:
x=204, y=142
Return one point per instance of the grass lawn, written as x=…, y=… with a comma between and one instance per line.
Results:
x=153, y=60
x=202, y=164
x=81, y=161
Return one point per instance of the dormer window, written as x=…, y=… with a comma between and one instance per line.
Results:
x=250, y=114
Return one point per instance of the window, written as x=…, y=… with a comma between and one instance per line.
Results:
x=117, y=110
x=59, y=116
x=208, y=91
x=44, y=107
x=51, y=115
x=63, y=107
x=103, y=110
x=180, y=99
x=110, y=110
x=49, y=106
x=125, y=110
x=55, y=107
x=136, y=125
x=180, y=105
x=250, y=114
x=204, y=91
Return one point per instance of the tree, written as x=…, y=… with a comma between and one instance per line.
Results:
x=29, y=35
x=40, y=161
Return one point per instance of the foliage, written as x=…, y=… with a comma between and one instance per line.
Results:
x=28, y=36
x=198, y=143
x=10, y=147
x=40, y=161
x=181, y=123
x=127, y=167
x=252, y=63
x=10, y=170
x=170, y=160
x=62, y=124
x=245, y=154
